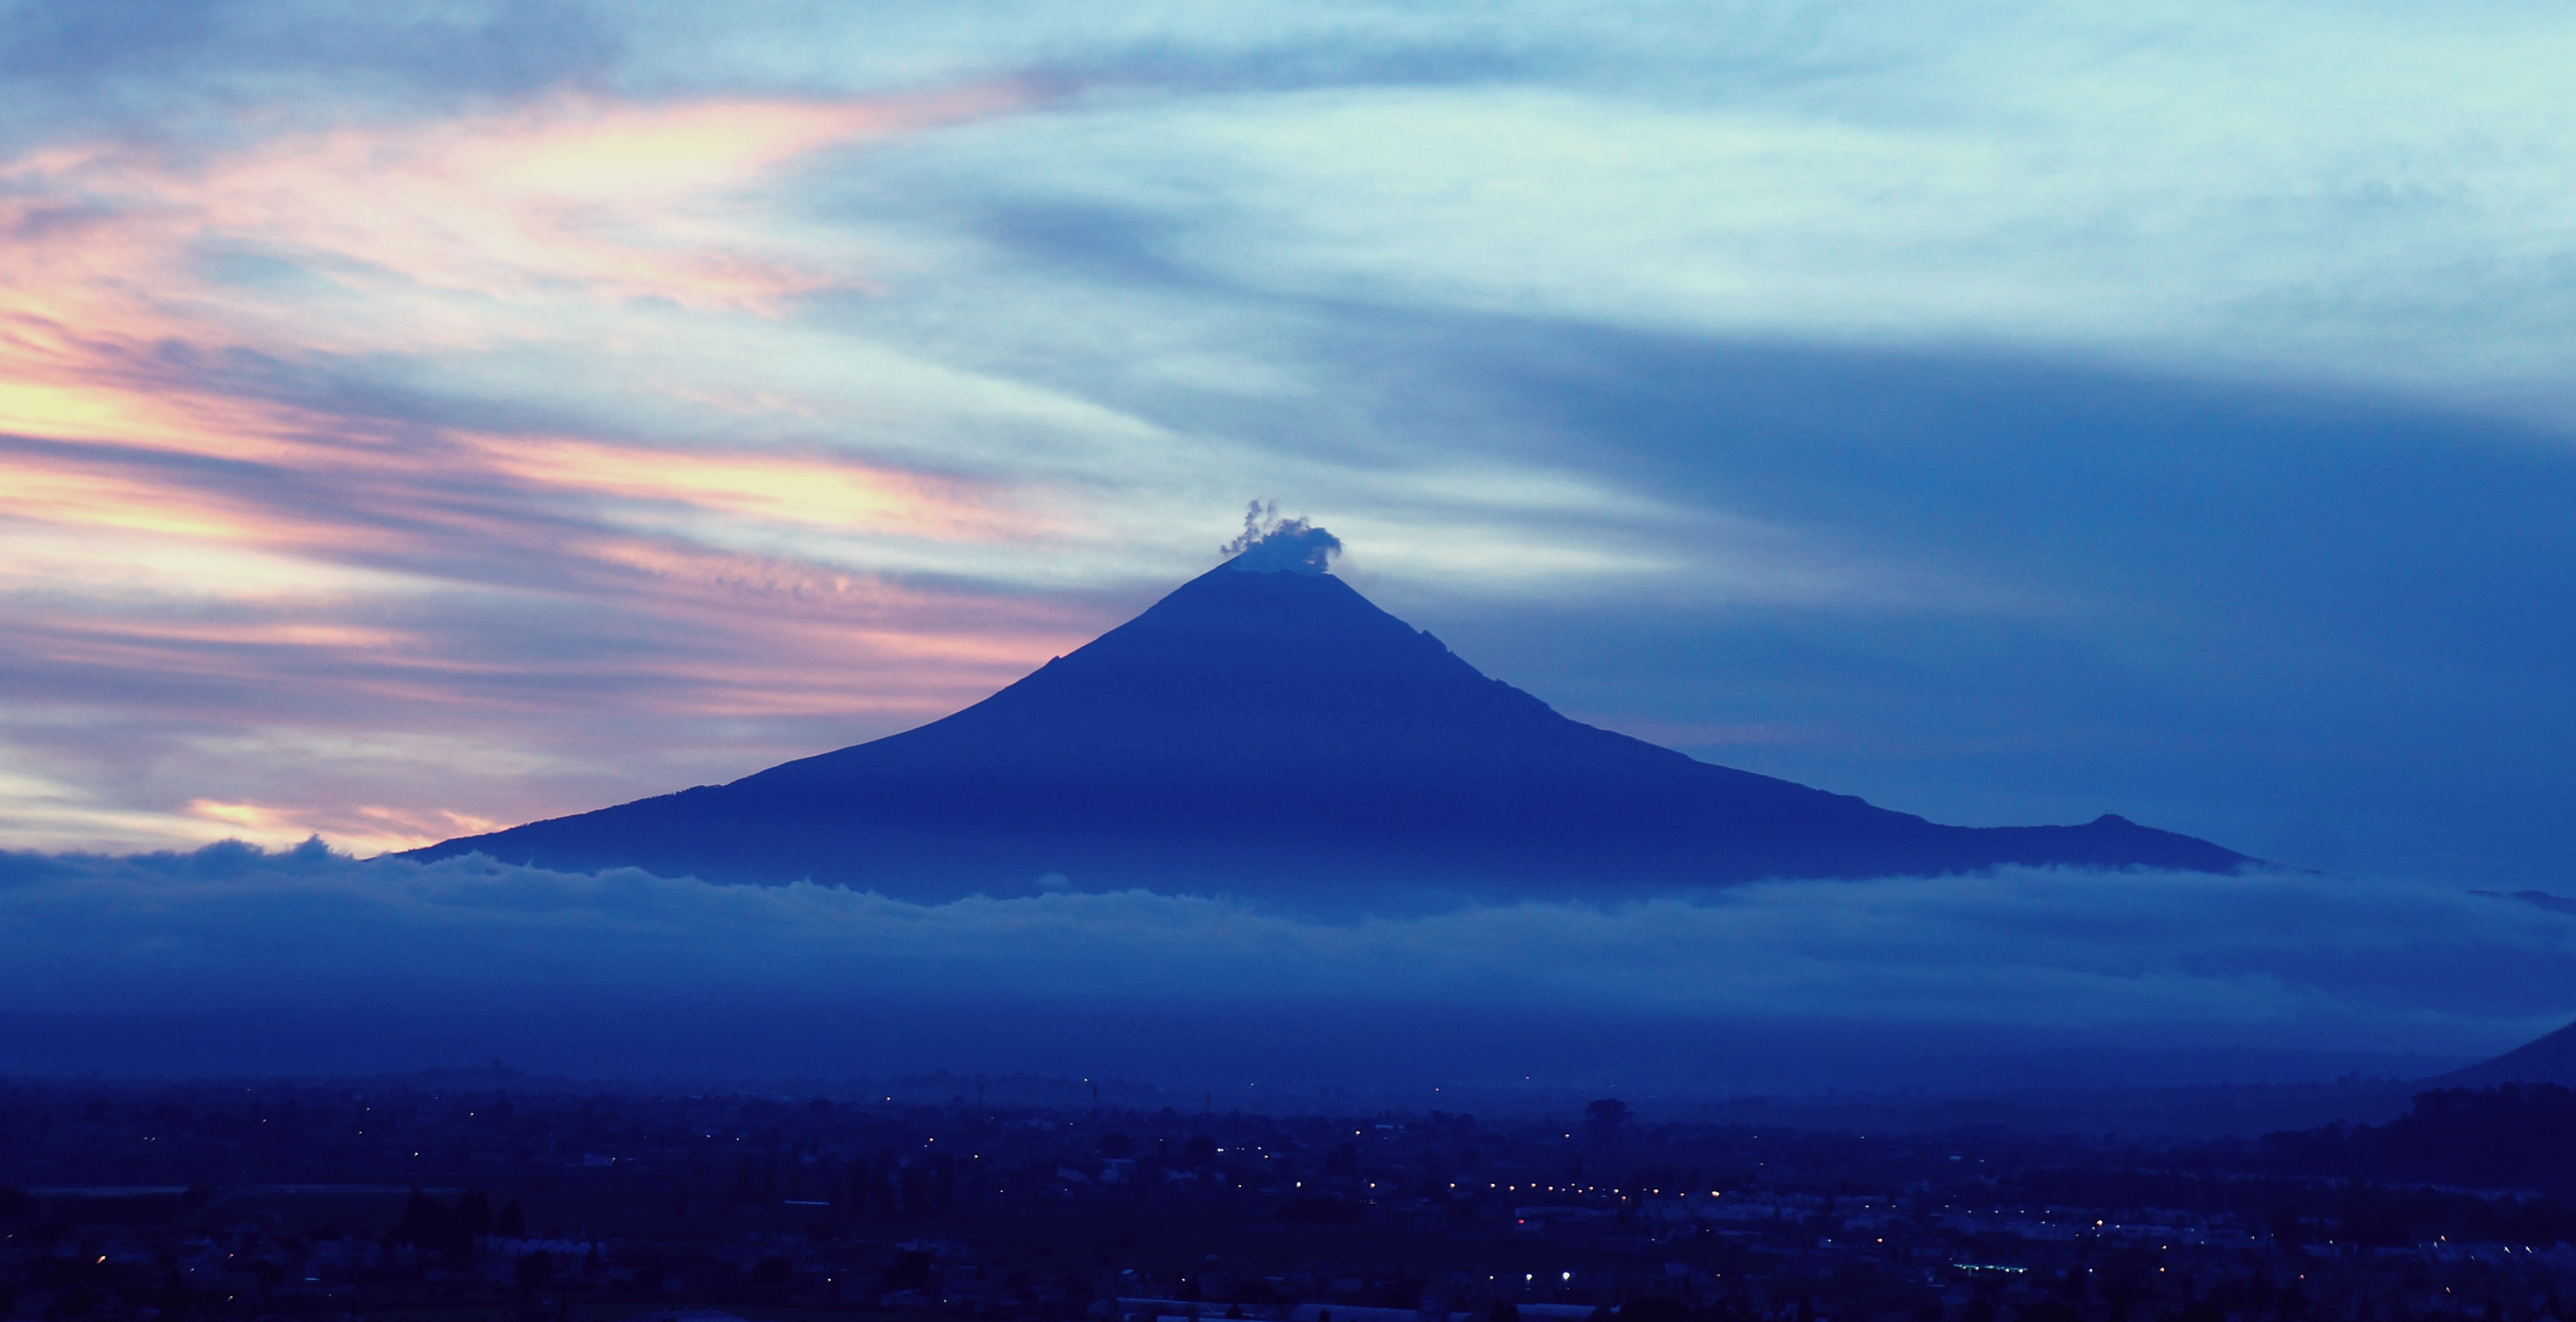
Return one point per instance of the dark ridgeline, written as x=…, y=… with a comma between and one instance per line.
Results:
x=2510, y=1136
x=1272, y=733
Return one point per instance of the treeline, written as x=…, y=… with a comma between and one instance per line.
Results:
x=450, y=1231
x=2512, y=1136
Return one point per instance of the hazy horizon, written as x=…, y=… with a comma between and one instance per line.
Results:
x=2023, y=979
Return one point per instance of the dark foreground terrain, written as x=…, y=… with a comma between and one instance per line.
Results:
x=489, y=1196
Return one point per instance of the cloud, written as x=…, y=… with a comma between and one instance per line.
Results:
x=1911, y=176
x=204, y=496
x=2132, y=960
x=121, y=52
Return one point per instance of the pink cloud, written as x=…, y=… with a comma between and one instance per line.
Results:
x=818, y=490
x=190, y=551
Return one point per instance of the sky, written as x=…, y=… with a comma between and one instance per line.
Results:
x=420, y=418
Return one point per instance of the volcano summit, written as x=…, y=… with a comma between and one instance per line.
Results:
x=1266, y=731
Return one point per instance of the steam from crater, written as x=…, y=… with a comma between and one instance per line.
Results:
x=1269, y=543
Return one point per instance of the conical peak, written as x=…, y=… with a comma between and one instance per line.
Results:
x=1270, y=673
x=1248, y=612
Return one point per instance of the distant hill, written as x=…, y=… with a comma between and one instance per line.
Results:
x=2547, y=1059
x=1269, y=732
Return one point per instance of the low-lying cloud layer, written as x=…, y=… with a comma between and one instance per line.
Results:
x=2135, y=962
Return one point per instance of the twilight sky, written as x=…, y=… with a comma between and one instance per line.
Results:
x=421, y=417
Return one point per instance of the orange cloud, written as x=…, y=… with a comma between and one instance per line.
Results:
x=264, y=823
x=106, y=267
x=113, y=501
x=112, y=490
x=373, y=828
x=61, y=397
x=362, y=829
x=837, y=494
x=623, y=200
x=195, y=530
x=610, y=200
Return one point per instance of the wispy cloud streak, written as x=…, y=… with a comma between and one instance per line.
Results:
x=201, y=517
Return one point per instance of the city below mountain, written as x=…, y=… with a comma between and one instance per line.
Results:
x=1265, y=731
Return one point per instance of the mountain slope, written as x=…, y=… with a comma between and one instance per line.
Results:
x=2550, y=1058
x=1274, y=733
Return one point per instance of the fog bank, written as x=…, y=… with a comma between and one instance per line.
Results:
x=233, y=959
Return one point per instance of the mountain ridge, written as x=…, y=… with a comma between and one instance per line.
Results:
x=2549, y=1058
x=1271, y=732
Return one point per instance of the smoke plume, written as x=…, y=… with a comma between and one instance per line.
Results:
x=1269, y=543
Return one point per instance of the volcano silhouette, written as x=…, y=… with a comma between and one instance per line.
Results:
x=2547, y=1059
x=1271, y=733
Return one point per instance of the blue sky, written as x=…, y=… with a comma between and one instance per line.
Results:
x=449, y=415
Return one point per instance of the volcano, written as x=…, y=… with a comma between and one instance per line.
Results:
x=1265, y=731
x=2550, y=1058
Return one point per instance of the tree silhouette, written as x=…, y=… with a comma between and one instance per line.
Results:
x=1604, y=1117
